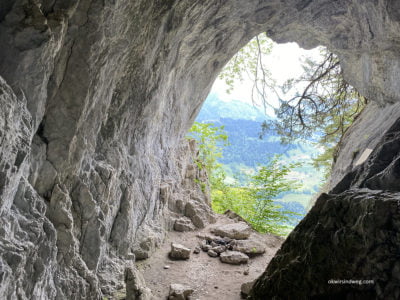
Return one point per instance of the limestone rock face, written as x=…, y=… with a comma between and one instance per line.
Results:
x=96, y=97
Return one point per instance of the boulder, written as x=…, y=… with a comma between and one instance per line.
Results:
x=179, y=292
x=237, y=231
x=234, y=257
x=245, y=289
x=179, y=251
x=249, y=247
x=136, y=288
x=199, y=213
x=184, y=224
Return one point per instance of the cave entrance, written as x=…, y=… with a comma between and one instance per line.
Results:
x=257, y=168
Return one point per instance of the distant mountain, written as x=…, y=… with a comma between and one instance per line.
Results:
x=214, y=109
x=242, y=123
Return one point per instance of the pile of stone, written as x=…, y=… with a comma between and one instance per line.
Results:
x=232, y=243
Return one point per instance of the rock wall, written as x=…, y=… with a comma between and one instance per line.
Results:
x=96, y=97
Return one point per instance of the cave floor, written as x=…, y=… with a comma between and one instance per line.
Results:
x=210, y=278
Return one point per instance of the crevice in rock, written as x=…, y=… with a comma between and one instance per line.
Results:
x=40, y=133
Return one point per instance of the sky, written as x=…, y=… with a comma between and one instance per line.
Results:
x=284, y=62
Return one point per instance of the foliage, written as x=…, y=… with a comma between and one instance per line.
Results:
x=210, y=140
x=249, y=60
x=327, y=105
x=270, y=181
x=255, y=203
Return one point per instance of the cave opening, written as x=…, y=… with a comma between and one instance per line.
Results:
x=96, y=96
x=236, y=146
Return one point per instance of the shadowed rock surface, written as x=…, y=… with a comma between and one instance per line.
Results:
x=96, y=97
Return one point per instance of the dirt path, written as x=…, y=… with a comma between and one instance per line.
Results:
x=210, y=278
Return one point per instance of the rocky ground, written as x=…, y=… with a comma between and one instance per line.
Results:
x=207, y=276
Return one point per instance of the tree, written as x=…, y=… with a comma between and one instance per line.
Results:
x=255, y=203
x=325, y=106
x=250, y=61
x=210, y=140
x=270, y=181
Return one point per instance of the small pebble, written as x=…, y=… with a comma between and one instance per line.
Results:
x=246, y=272
x=167, y=267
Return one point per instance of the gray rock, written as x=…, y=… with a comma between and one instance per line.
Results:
x=199, y=213
x=179, y=292
x=236, y=231
x=179, y=251
x=219, y=249
x=184, y=224
x=234, y=257
x=367, y=217
x=212, y=253
x=249, y=247
x=246, y=288
x=205, y=248
x=135, y=286
x=197, y=250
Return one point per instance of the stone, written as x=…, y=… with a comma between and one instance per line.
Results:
x=197, y=250
x=184, y=224
x=199, y=213
x=179, y=292
x=167, y=267
x=179, y=251
x=234, y=216
x=218, y=249
x=250, y=247
x=135, y=286
x=233, y=257
x=205, y=248
x=213, y=244
x=238, y=231
x=212, y=253
x=246, y=288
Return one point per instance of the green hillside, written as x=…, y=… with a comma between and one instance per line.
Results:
x=242, y=124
